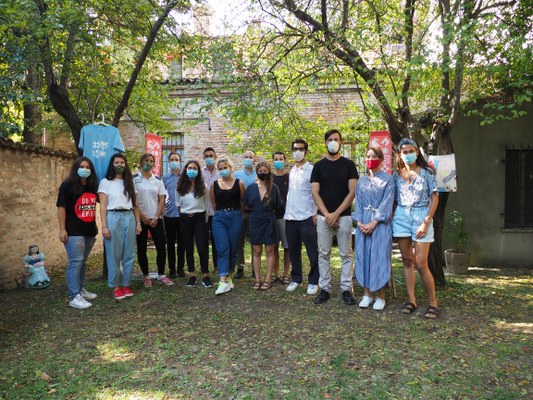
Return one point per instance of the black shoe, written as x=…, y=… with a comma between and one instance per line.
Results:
x=181, y=273
x=322, y=297
x=239, y=274
x=348, y=298
x=206, y=282
x=172, y=275
x=192, y=281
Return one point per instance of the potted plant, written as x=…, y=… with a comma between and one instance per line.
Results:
x=458, y=258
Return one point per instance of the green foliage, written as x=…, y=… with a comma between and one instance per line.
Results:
x=456, y=232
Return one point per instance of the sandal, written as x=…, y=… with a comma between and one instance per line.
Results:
x=266, y=285
x=286, y=280
x=432, y=312
x=408, y=308
x=274, y=279
x=257, y=285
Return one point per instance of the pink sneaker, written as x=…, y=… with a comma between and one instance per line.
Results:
x=147, y=282
x=164, y=280
x=127, y=291
x=118, y=294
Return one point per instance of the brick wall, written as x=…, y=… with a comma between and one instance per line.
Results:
x=29, y=179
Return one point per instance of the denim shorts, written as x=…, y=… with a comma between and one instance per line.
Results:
x=407, y=220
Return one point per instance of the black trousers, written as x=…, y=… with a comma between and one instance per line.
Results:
x=173, y=235
x=193, y=228
x=212, y=238
x=158, y=236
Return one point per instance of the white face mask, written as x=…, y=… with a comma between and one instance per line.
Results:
x=298, y=155
x=333, y=147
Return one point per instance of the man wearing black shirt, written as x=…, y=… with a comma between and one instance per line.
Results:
x=333, y=183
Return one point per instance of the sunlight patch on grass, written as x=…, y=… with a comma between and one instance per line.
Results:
x=521, y=327
x=136, y=395
x=113, y=352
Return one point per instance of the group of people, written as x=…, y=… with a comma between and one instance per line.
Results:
x=310, y=205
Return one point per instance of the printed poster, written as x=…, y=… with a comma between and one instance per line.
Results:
x=382, y=140
x=446, y=172
x=154, y=145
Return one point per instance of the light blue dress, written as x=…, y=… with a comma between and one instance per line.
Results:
x=373, y=201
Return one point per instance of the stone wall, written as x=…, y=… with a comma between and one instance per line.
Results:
x=29, y=180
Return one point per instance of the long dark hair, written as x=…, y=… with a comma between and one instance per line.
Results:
x=420, y=161
x=129, y=189
x=91, y=183
x=268, y=181
x=184, y=183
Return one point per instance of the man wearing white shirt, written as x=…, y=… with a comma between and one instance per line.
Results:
x=210, y=174
x=300, y=214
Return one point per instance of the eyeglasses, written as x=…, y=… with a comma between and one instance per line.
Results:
x=298, y=149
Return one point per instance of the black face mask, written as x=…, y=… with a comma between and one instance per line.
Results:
x=263, y=175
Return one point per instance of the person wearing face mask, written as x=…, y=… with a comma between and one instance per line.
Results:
x=210, y=174
x=281, y=180
x=247, y=175
x=373, y=238
x=334, y=179
x=76, y=209
x=192, y=202
x=417, y=199
x=150, y=191
x=226, y=195
x=121, y=222
x=171, y=219
x=300, y=220
x=263, y=199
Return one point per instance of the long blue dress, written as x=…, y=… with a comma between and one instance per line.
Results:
x=263, y=222
x=373, y=201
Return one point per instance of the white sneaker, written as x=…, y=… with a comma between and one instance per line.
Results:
x=230, y=283
x=79, y=302
x=292, y=287
x=88, y=295
x=223, y=287
x=312, y=289
x=379, y=304
x=366, y=301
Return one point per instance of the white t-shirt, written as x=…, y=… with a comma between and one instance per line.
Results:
x=189, y=204
x=300, y=204
x=114, y=190
x=148, y=192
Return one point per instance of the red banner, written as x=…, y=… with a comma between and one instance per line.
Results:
x=153, y=146
x=382, y=140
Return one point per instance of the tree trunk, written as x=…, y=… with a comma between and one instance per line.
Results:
x=32, y=118
x=63, y=106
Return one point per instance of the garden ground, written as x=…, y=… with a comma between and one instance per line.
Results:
x=185, y=343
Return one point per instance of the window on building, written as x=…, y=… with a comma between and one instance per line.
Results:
x=172, y=143
x=519, y=188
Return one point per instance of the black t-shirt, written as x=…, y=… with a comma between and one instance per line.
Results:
x=282, y=182
x=80, y=210
x=333, y=177
x=228, y=199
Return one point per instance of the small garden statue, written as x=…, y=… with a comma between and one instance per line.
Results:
x=34, y=262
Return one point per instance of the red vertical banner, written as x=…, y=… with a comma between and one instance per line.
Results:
x=382, y=140
x=154, y=145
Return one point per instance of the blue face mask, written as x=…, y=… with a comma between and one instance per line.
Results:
x=224, y=173
x=248, y=163
x=147, y=167
x=209, y=161
x=409, y=158
x=279, y=165
x=84, y=172
x=192, y=173
x=174, y=164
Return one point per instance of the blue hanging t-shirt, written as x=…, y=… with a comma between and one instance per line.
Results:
x=99, y=143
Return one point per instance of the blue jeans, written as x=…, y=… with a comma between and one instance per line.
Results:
x=227, y=228
x=121, y=247
x=298, y=232
x=78, y=249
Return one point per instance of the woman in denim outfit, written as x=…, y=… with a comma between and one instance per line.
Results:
x=417, y=199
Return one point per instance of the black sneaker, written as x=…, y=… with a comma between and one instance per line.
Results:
x=206, y=282
x=322, y=297
x=239, y=274
x=347, y=297
x=181, y=273
x=172, y=275
x=192, y=281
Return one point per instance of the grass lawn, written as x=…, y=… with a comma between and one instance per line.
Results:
x=185, y=343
